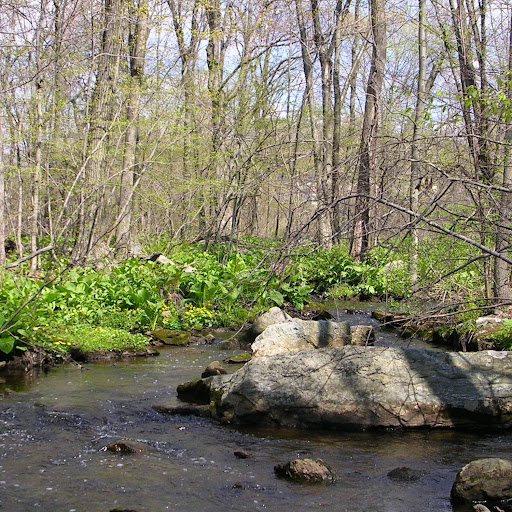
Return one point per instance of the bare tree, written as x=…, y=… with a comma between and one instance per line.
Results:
x=94, y=225
x=367, y=156
x=137, y=39
x=502, y=276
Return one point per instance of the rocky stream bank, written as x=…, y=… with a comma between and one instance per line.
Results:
x=327, y=375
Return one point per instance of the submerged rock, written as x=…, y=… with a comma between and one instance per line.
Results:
x=404, y=474
x=311, y=471
x=298, y=335
x=364, y=387
x=202, y=411
x=242, y=454
x=126, y=447
x=487, y=481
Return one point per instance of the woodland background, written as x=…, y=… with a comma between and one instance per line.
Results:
x=375, y=124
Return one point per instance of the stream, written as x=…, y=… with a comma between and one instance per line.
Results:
x=54, y=427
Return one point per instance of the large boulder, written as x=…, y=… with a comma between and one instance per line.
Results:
x=486, y=481
x=364, y=387
x=298, y=335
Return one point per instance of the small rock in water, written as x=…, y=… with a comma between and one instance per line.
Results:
x=244, y=357
x=125, y=446
x=209, y=338
x=480, y=508
x=242, y=454
x=214, y=368
x=404, y=474
x=309, y=471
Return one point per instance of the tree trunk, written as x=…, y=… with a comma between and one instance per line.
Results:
x=367, y=156
x=137, y=40
x=215, y=53
x=502, y=278
x=322, y=227
x=102, y=112
x=188, y=52
x=421, y=97
x=2, y=197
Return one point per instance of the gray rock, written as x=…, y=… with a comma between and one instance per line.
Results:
x=196, y=392
x=363, y=387
x=298, y=335
x=488, y=481
x=311, y=471
x=164, y=260
x=272, y=316
x=362, y=335
x=480, y=508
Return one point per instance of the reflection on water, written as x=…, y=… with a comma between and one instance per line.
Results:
x=53, y=429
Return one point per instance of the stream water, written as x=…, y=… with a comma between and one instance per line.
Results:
x=54, y=426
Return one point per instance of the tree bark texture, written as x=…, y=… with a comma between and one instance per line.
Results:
x=367, y=155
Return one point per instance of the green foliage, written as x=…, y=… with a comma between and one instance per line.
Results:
x=220, y=286
x=496, y=100
x=88, y=338
x=443, y=263
x=504, y=334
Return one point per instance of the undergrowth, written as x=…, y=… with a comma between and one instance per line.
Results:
x=109, y=309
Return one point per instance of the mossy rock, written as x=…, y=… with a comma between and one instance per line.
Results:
x=487, y=481
x=244, y=357
x=170, y=337
x=197, y=392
